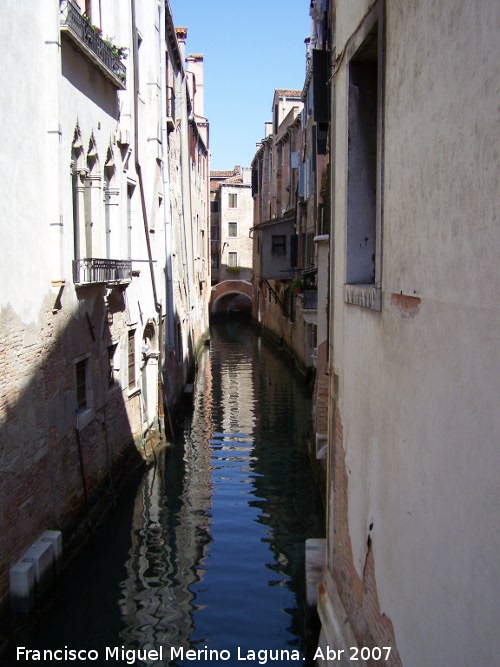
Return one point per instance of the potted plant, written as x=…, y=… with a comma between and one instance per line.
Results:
x=297, y=285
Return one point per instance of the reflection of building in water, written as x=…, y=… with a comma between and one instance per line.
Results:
x=169, y=534
x=174, y=544
x=236, y=408
x=256, y=392
x=283, y=486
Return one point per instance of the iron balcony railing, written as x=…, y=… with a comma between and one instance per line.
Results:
x=88, y=40
x=90, y=271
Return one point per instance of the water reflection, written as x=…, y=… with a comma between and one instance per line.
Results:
x=215, y=556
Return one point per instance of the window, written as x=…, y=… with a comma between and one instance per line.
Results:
x=84, y=395
x=138, y=68
x=81, y=384
x=278, y=247
x=111, y=365
x=255, y=181
x=232, y=259
x=232, y=230
x=93, y=202
x=130, y=215
x=131, y=359
x=214, y=260
x=214, y=206
x=179, y=350
x=78, y=173
x=232, y=200
x=364, y=156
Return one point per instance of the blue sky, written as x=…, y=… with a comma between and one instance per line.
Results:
x=250, y=49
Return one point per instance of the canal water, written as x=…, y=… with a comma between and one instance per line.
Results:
x=207, y=552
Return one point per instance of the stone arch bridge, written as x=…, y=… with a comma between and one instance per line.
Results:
x=231, y=297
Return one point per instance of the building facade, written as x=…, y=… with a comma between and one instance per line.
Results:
x=394, y=228
x=92, y=293
x=412, y=489
x=278, y=285
x=231, y=219
x=188, y=275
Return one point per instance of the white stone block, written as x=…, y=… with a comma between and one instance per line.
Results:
x=315, y=562
x=41, y=554
x=22, y=586
x=321, y=446
x=55, y=538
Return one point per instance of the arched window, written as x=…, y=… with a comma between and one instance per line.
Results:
x=78, y=175
x=94, y=236
x=110, y=196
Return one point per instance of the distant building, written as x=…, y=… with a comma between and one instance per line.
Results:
x=231, y=246
x=279, y=294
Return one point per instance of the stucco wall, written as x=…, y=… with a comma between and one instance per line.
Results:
x=55, y=460
x=242, y=244
x=418, y=382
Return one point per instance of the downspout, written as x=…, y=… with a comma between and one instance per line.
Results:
x=166, y=184
x=185, y=183
x=157, y=303
x=137, y=160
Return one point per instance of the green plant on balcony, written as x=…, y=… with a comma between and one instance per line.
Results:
x=93, y=27
x=120, y=52
x=233, y=269
x=297, y=285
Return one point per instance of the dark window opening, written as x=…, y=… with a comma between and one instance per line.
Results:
x=81, y=384
x=131, y=359
x=362, y=162
x=111, y=365
x=278, y=246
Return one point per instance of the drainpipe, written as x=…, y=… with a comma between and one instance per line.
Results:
x=186, y=181
x=157, y=303
x=166, y=184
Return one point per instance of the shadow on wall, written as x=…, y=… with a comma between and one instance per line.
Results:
x=66, y=432
x=234, y=304
x=80, y=74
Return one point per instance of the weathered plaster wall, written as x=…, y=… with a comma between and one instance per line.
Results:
x=418, y=382
x=242, y=244
x=46, y=323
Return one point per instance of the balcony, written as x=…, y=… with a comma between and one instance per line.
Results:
x=85, y=38
x=90, y=271
x=310, y=299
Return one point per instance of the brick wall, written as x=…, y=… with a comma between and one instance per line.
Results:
x=321, y=391
x=359, y=595
x=43, y=484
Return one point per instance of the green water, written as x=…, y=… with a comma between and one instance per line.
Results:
x=206, y=553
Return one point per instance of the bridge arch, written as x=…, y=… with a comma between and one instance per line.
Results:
x=231, y=296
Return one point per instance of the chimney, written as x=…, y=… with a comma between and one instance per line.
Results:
x=181, y=34
x=194, y=64
x=308, y=44
x=268, y=128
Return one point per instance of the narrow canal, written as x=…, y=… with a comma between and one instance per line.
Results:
x=206, y=553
